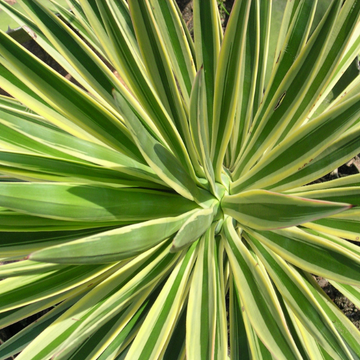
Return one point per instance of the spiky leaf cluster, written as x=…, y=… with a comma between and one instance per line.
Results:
x=160, y=206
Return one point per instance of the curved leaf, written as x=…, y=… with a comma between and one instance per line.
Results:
x=313, y=253
x=81, y=202
x=258, y=298
x=265, y=210
x=301, y=147
x=112, y=245
x=304, y=306
x=195, y=226
x=207, y=338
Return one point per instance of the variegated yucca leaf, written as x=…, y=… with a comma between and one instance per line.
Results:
x=162, y=208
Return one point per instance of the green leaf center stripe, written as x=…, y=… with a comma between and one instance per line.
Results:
x=260, y=209
x=167, y=178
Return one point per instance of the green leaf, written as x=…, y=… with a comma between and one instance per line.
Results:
x=112, y=245
x=87, y=203
x=265, y=210
x=302, y=83
x=20, y=340
x=126, y=333
x=346, y=226
x=80, y=24
x=12, y=138
x=349, y=194
x=335, y=47
x=335, y=155
x=195, y=226
x=66, y=98
x=21, y=243
x=351, y=52
x=207, y=39
x=159, y=157
x=227, y=83
x=239, y=345
x=103, y=335
x=293, y=35
x=176, y=346
x=23, y=290
x=207, y=338
x=97, y=77
x=52, y=169
x=199, y=125
x=257, y=347
x=120, y=44
x=103, y=302
x=258, y=298
x=154, y=333
x=23, y=312
x=33, y=102
x=348, y=331
x=17, y=224
x=301, y=147
x=84, y=19
x=157, y=62
x=313, y=253
x=264, y=29
x=183, y=154
x=30, y=134
x=26, y=267
x=250, y=90
x=351, y=180
x=304, y=306
x=176, y=43
x=351, y=292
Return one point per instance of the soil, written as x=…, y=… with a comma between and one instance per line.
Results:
x=343, y=303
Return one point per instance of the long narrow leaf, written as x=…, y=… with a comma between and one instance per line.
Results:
x=327, y=259
x=206, y=309
x=154, y=333
x=177, y=45
x=75, y=105
x=89, y=203
x=207, y=48
x=252, y=209
x=304, y=306
x=227, y=83
x=159, y=158
x=259, y=302
x=112, y=245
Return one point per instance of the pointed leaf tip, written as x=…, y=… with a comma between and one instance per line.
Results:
x=266, y=210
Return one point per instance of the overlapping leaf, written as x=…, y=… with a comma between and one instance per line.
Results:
x=172, y=173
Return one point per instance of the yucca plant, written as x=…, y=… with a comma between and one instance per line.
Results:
x=161, y=207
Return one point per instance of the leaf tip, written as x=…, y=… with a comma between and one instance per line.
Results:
x=173, y=249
